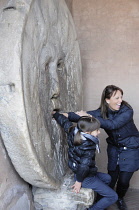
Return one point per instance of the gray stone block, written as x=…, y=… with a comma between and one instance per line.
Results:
x=63, y=198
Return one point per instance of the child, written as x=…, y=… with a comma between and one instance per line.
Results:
x=83, y=142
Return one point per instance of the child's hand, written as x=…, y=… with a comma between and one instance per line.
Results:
x=53, y=112
x=76, y=187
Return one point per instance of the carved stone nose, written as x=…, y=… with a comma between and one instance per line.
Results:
x=54, y=93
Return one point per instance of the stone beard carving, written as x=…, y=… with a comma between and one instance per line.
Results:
x=40, y=71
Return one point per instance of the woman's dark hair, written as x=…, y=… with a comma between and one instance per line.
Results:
x=85, y=124
x=106, y=94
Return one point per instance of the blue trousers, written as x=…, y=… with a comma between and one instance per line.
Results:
x=99, y=184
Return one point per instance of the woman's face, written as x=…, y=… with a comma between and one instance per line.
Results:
x=115, y=101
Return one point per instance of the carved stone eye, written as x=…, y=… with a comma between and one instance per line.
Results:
x=9, y=8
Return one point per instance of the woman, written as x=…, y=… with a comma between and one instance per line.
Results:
x=116, y=118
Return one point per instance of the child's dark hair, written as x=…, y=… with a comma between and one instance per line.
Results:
x=85, y=124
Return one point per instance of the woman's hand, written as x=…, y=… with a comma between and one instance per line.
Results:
x=65, y=114
x=82, y=113
x=76, y=187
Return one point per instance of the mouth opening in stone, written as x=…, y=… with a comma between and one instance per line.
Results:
x=56, y=110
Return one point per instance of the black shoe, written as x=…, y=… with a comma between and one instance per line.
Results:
x=121, y=204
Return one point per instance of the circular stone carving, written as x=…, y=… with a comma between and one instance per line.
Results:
x=42, y=72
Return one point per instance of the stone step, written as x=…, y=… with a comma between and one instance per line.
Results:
x=63, y=198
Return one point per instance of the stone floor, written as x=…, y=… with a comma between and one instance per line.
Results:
x=131, y=199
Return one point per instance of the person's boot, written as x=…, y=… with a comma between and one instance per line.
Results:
x=121, y=204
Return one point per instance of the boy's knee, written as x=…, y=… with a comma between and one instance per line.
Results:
x=108, y=179
x=114, y=197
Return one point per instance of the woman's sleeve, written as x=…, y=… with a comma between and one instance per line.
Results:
x=72, y=116
x=94, y=113
x=119, y=120
x=63, y=121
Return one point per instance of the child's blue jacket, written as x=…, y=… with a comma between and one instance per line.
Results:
x=81, y=159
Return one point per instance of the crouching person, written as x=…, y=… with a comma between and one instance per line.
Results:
x=83, y=142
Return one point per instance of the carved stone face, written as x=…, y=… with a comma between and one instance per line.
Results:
x=48, y=78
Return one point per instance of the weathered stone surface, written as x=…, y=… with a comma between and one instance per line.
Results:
x=40, y=70
x=14, y=192
x=63, y=198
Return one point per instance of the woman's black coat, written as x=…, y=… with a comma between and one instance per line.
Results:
x=123, y=138
x=81, y=158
